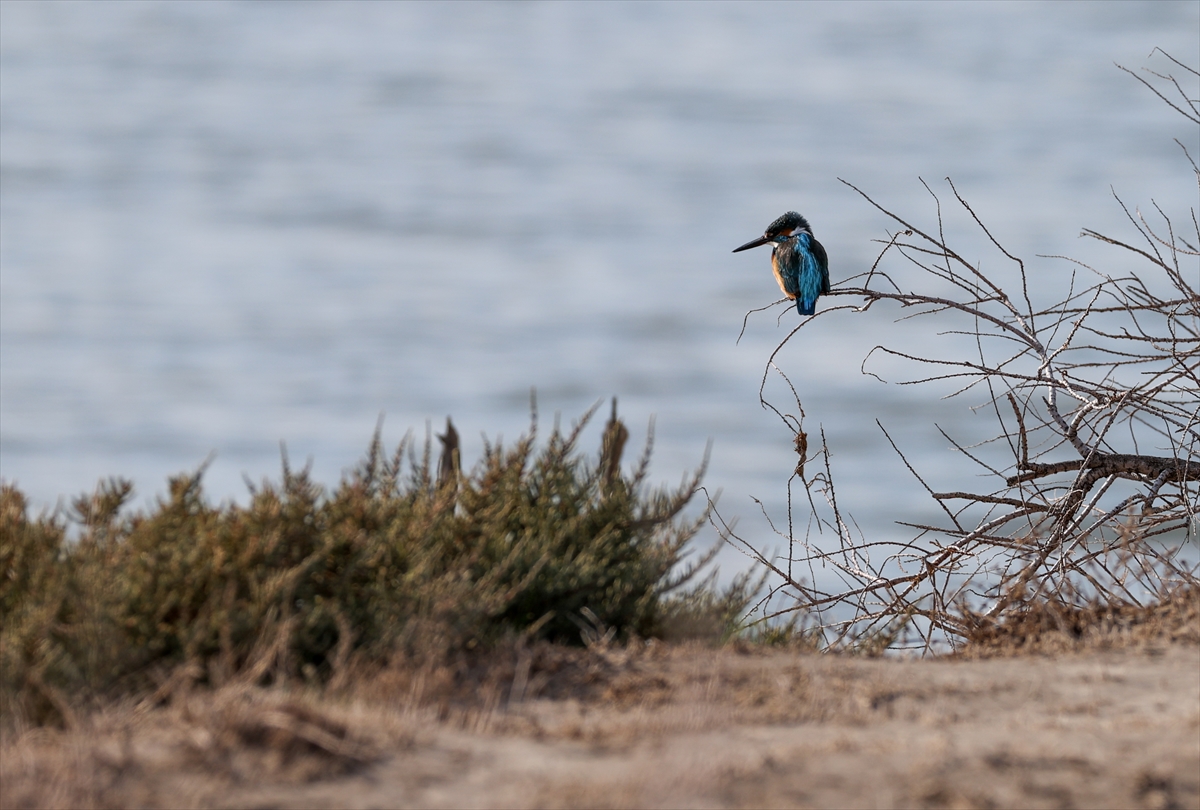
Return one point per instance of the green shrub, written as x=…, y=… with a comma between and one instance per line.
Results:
x=391, y=562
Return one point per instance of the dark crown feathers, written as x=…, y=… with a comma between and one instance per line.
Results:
x=788, y=223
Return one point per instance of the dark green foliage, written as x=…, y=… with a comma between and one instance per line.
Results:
x=391, y=562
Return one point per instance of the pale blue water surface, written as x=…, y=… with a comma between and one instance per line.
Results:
x=223, y=225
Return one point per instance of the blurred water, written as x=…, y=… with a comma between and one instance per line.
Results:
x=223, y=225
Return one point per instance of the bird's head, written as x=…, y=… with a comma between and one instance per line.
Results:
x=781, y=229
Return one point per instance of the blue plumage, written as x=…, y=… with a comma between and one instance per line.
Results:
x=800, y=263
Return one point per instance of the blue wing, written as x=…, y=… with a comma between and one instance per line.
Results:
x=813, y=276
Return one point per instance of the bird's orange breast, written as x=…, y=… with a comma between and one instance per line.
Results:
x=779, y=278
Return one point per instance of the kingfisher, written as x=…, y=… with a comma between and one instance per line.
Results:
x=800, y=263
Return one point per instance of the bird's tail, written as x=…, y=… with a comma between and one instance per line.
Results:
x=806, y=307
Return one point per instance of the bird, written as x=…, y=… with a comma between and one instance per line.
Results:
x=800, y=263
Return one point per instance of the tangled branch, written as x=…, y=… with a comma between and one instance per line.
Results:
x=1095, y=458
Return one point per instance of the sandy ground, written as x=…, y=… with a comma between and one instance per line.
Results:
x=668, y=727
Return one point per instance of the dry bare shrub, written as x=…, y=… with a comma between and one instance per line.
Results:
x=1094, y=466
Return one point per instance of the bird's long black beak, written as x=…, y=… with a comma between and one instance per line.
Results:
x=762, y=240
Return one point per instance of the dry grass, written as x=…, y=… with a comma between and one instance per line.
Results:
x=199, y=744
x=656, y=724
x=186, y=754
x=1050, y=627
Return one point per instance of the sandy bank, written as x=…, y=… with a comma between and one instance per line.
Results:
x=669, y=727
